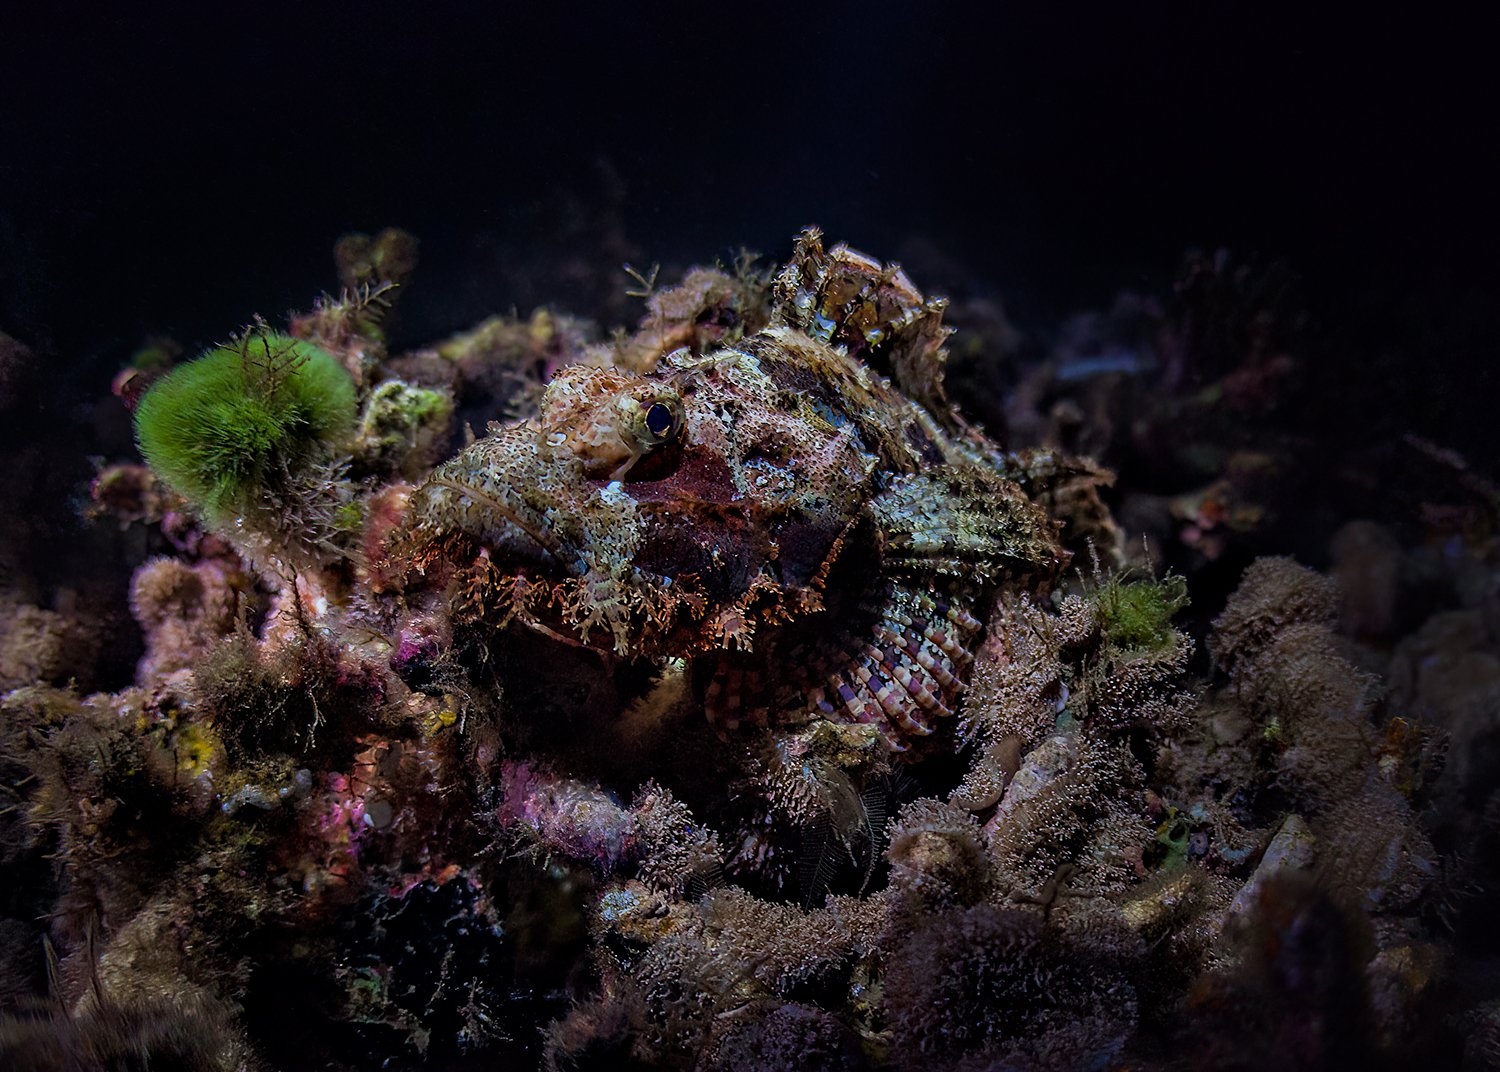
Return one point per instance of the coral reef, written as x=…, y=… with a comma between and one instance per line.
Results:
x=730, y=703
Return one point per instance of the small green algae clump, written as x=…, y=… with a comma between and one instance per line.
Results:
x=223, y=429
x=1136, y=615
x=404, y=427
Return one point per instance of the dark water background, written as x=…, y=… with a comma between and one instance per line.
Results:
x=179, y=170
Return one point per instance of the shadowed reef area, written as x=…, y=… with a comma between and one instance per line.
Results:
x=805, y=674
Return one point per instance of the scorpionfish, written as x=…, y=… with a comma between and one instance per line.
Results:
x=801, y=516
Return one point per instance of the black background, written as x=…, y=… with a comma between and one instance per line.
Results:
x=179, y=170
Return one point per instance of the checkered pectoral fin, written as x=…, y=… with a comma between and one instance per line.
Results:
x=899, y=674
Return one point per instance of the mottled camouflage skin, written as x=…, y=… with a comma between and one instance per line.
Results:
x=817, y=537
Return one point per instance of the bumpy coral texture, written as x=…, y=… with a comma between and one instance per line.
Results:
x=983, y=987
x=183, y=610
x=727, y=704
x=38, y=644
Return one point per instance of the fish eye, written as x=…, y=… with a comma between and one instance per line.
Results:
x=661, y=422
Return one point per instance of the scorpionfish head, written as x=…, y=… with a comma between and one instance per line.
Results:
x=668, y=513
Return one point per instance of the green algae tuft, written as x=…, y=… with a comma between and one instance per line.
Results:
x=220, y=429
x=1136, y=615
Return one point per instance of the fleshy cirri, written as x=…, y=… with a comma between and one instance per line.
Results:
x=820, y=538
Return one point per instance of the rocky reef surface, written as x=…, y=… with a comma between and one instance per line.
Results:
x=786, y=682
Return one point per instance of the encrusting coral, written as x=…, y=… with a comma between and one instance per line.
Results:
x=728, y=704
x=40, y=644
x=183, y=610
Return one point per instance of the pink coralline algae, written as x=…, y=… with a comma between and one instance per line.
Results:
x=579, y=821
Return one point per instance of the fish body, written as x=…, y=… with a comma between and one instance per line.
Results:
x=800, y=514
